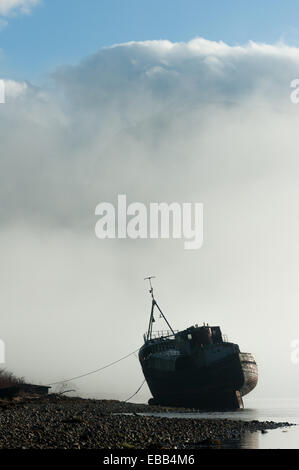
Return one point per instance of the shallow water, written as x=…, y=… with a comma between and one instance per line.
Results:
x=263, y=410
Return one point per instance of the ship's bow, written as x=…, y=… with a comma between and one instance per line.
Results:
x=250, y=373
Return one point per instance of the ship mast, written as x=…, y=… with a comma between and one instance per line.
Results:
x=154, y=304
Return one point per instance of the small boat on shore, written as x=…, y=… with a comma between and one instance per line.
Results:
x=196, y=367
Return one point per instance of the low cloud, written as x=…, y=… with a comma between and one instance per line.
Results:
x=159, y=121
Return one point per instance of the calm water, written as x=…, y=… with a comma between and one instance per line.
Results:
x=262, y=410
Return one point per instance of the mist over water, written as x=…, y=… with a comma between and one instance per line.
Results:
x=157, y=121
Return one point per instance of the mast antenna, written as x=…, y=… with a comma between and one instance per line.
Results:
x=154, y=304
x=149, y=279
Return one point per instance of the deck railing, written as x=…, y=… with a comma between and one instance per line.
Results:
x=162, y=334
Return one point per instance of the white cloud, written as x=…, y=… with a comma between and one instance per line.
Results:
x=14, y=89
x=159, y=121
x=8, y=7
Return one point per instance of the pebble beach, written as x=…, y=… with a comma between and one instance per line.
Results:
x=61, y=422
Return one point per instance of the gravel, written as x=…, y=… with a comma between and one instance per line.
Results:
x=62, y=422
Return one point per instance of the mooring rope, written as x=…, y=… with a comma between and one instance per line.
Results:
x=138, y=389
x=95, y=371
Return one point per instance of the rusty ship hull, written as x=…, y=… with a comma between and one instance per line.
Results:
x=196, y=367
x=186, y=372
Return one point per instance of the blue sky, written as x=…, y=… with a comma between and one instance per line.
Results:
x=64, y=31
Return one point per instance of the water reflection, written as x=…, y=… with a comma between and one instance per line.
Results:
x=248, y=440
